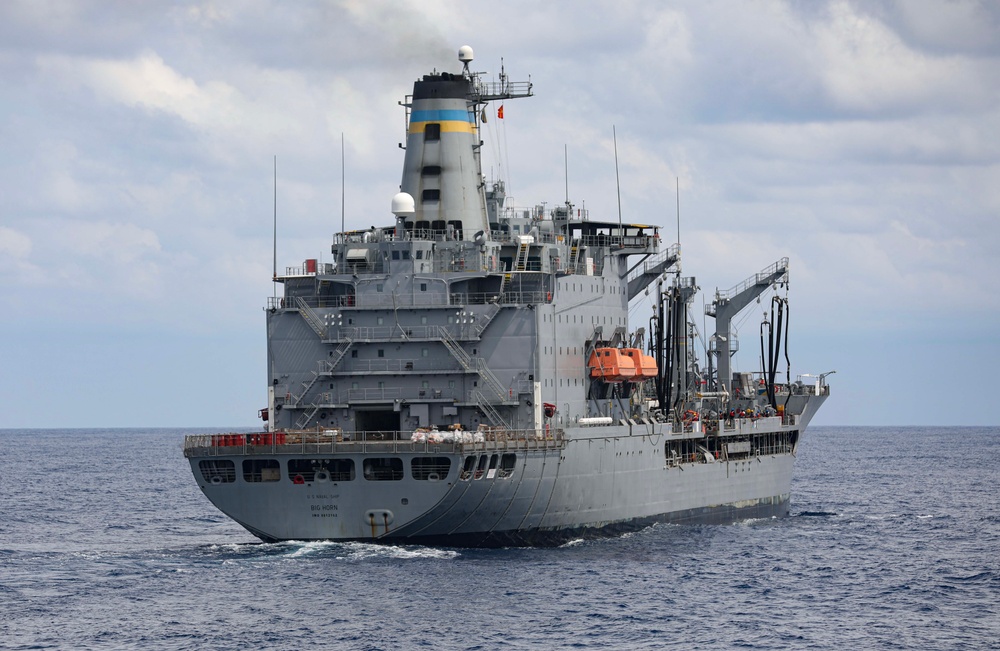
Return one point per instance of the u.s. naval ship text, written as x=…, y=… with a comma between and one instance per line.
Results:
x=469, y=374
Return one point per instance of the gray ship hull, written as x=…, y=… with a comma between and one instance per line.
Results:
x=585, y=482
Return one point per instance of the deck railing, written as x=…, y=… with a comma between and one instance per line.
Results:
x=336, y=442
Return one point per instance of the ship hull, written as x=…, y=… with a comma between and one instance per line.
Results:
x=593, y=482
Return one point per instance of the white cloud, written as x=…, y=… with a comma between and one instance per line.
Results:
x=14, y=244
x=869, y=68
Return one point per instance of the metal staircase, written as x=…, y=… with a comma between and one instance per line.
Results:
x=310, y=316
x=520, y=264
x=325, y=367
x=574, y=254
x=521, y=261
x=475, y=364
x=304, y=419
x=486, y=318
x=489, y=411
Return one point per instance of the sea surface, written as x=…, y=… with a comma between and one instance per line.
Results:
x=893, y=543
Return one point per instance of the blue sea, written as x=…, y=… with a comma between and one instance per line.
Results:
x=893, y=543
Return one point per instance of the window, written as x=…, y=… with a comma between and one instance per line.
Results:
x=431, y=195
x=423, y=288
x=381, y=351
x=507, y=463
x=432, y=131
x=470, y=465
x=430, y=468
x=259, y=470
x=218, y=471
x=430, y=170
x=395, y=255
x=307, y=471
x=383, y=469
x=481, y=468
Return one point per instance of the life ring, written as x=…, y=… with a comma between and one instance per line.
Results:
x=322, y=475
x=299, y=479
x=433, y=477
x=216, y=480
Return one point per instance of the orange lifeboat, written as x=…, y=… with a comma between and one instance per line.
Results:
x=645, y=366
x=611, y=365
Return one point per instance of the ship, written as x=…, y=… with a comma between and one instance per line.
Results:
x=468, y=373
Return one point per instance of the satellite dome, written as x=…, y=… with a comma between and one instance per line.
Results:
x=402, y=204
x=465, y=54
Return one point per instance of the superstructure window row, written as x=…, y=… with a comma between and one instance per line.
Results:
x=308, y=471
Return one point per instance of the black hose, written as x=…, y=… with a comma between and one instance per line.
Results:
x=764, y=360
x=788, y=362
x=669, y=366
x=777, y=349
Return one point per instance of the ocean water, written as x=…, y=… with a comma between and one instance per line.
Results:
x=893, y=543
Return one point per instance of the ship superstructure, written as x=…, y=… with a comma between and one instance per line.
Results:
x=468, y=374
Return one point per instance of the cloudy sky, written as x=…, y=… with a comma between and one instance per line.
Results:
x=860, y=139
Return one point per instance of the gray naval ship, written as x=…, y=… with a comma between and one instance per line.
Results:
x=469, y=374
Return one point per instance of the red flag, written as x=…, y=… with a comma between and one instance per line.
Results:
x=500, y=112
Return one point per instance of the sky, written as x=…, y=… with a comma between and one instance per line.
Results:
x=138, y=142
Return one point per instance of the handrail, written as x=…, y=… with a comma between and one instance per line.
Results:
x=337, y=442
x=428, y=300
x=756, y=279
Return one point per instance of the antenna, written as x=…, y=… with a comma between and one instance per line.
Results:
x=343, y=185
x=566, y=171
x=274, y=238
x=677, y=189
x=618, y=184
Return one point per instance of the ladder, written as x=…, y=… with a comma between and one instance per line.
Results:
x=489, y=411
x=521, y=262
x=574, y=252
x=311, y=317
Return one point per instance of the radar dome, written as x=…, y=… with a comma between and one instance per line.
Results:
x=465, y=54
x=402, y=204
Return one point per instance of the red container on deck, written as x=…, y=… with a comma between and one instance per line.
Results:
x=311, y=266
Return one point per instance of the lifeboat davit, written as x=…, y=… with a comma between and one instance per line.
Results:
x=611, y=365
x=645, y=366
